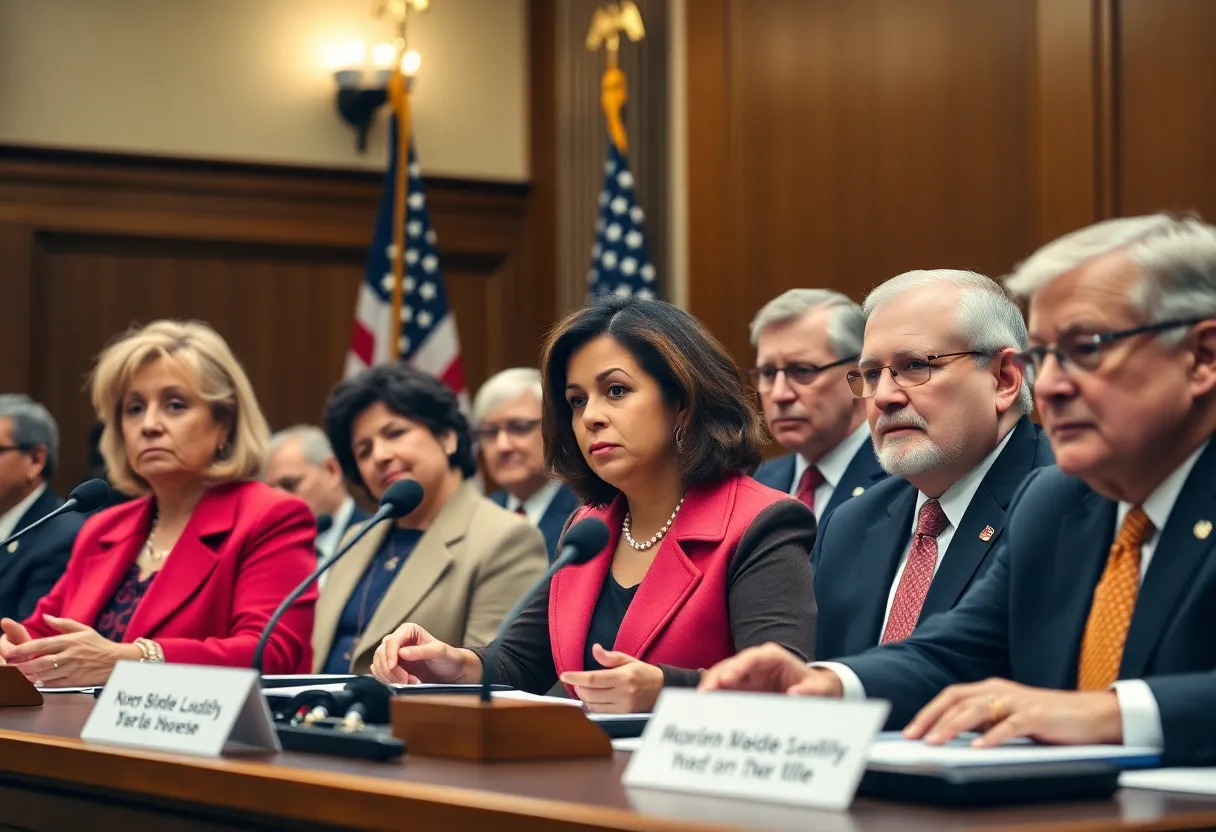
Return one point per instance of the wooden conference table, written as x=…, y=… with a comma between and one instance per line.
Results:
x=50, y=780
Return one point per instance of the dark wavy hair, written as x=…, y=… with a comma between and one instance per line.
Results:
x=724, y=433
x=406, y=391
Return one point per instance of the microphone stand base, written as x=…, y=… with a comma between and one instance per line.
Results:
x=16, y=691
x=465, y=728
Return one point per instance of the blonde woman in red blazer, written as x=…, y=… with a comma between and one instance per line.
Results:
x=648, y=420
x=191, y=571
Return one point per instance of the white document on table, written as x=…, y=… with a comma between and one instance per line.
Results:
x=1190, y=780
x=890, y=748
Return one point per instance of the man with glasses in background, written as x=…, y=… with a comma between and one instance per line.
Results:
x=506, y=419
x=1094, y=624
x=947, y=408
x=29, y=452
x=806, y=340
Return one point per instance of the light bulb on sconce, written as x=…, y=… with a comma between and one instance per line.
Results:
x=363, y=90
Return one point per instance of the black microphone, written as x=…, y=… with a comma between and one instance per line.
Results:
x=583, y=541
x=401, y=498
x=368, y=703
x=84, y=498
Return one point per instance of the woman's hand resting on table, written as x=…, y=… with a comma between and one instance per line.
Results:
x=79, y=655
x=410, y=655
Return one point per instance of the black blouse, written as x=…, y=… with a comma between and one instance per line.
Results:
x=770, y=597
x=606, y=620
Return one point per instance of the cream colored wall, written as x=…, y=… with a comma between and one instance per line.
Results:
x=246, y=80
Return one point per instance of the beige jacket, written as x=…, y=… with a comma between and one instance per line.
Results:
x=469, y=568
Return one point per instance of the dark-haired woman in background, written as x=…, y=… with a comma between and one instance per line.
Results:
x=648, y=420
x=457, y=563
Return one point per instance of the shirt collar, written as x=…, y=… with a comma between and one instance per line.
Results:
x=957, y=498
x=10, y=519
x=536, y=505
x=835, y=462
x=1161, y=502
x=327, y=541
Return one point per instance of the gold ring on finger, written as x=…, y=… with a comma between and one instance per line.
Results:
x=994, y=704
x=54, y=662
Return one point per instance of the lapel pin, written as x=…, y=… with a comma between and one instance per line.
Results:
x=858, y=491
x=1202, y=529
x=12, y=547
x=987, y=533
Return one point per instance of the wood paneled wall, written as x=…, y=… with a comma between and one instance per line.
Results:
x=271, y=257
x=837, y=144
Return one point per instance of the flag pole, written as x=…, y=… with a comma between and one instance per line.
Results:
x=399, y=95
x=607, y=25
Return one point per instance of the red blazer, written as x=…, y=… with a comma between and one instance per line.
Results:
x=679, y=614
x=244, y=549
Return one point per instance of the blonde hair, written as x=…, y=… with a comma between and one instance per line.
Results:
x=218, y=377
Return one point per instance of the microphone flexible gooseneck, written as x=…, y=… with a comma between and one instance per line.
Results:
x=401, y=498
x=84, y=498
x=584, y=540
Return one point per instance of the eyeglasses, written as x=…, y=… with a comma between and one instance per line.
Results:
x=513, y=427
x=1085, y=351
x=799, y=375
x=906, y=371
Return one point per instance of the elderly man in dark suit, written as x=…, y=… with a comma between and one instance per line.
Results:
x=29, y=450
x=506, y=423
x=1094, y=624
x=947, y=407
x=806, y=340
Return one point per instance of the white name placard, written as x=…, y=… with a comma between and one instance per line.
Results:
x=189, y=709
x=765, y=747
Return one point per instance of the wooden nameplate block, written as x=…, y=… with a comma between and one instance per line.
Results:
x=466, y=728
x=16, y=691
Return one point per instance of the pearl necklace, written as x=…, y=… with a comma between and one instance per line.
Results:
x=149, y=550
x=641, y=547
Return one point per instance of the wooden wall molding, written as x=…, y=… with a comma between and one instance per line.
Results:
x=271, y=256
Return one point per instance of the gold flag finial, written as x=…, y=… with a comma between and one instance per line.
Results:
x=606, y=26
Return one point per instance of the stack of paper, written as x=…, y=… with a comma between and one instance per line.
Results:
x=891, y=749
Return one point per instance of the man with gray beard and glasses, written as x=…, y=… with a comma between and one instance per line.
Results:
x=947, y=407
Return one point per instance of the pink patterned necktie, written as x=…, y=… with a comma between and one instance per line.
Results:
x=812, y=478
x=918, y=574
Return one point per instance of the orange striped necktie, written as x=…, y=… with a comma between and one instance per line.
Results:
x=1110, y=614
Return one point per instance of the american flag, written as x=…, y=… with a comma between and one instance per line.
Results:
x=620, y=260
x=426, y=336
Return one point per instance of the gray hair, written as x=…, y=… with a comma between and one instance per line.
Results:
x=33, y=425
x=846, y=327
x=988, y=320
x=313, y=443
x=1176, y=257
x=505, y=387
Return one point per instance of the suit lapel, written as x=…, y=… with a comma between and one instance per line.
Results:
x=863, y=472
x=874, y=567
x=340, y=582
x=1086, y=533
x=576, y=589
x=421, y=572
x=983, y=521
x=672, y=576
x=118, y=548
x=192, y=561
x=1178, y=554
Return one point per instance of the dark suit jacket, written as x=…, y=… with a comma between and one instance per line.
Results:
x=39, y=559
x=862, y=472
x=1025, y=619
x=245, y=547
x=860, y=546
x=555, y=517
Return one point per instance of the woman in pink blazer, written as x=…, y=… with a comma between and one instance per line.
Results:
x=647, y=418
x=191, y=571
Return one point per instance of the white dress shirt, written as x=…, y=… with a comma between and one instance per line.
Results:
x=327, y=541
x=10, y=518
x=536, y=505
x=832, y=465
x=1137, y=706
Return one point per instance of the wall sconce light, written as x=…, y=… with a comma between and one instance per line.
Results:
x=362, y=91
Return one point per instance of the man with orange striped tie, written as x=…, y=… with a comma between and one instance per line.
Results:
x=1094, y=625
